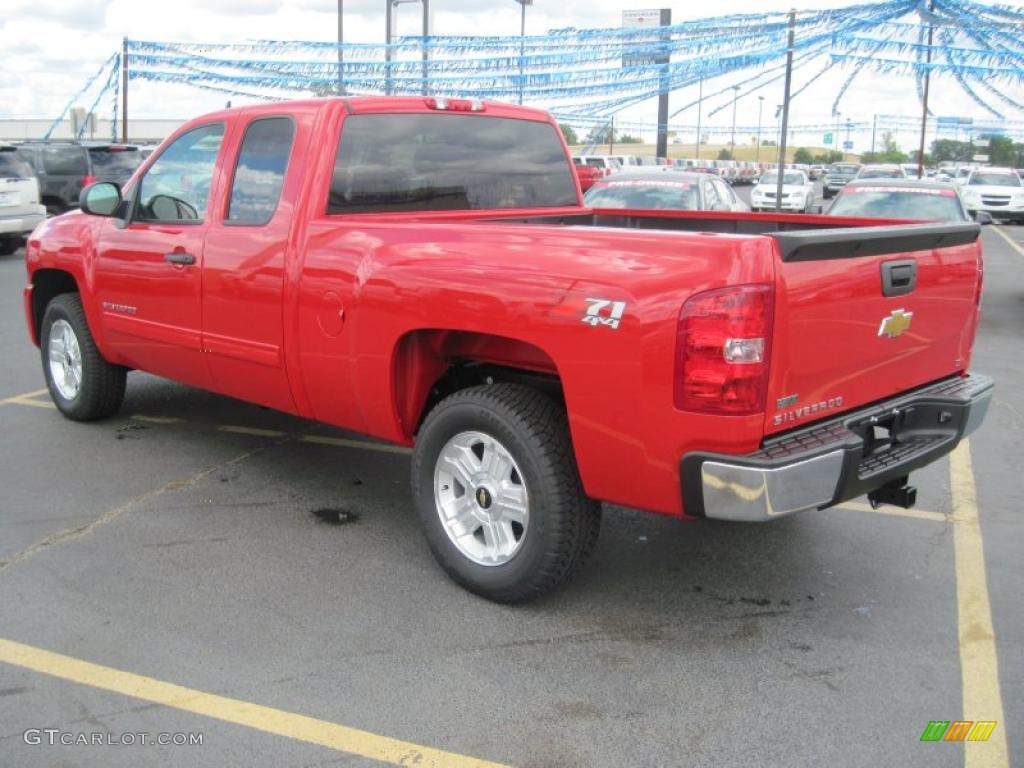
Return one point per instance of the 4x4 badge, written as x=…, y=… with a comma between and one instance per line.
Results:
x=595, y=314
x=895, y=324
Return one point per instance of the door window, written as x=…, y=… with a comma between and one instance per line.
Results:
x=177, y=186
x=259, y=175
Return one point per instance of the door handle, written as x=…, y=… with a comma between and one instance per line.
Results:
x=180, y=258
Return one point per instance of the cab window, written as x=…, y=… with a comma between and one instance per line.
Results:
x=177, y=186
x=259, y=175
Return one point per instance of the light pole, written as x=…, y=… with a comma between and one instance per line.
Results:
x=522, y=43
x=732, y=137
x=341, y=41
x=757, y=150
x=389, y=27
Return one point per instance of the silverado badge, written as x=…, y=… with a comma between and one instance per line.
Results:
x=895, y=324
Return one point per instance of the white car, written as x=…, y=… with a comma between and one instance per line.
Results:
x=998, y=191
x=20, y=210
x=797, y=192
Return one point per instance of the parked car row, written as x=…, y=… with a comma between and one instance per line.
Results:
x=20, y=209
x=40, y=178
x=64, y=167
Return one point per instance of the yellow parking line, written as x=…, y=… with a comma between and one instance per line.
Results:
x=301, y=727
x=1013, y=243
x=33, y=403
x=979, y=666
x=384, y=447
x=18, y=398
x=156, y=419
x=250, y=431
x=886, y=509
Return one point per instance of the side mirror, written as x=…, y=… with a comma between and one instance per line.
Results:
x=983, y=217
x=100, y=199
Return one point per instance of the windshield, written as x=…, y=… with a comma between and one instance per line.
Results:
x=896, y=203
x=772, y=177
x=995, y=180
x=13, y=166
x=674, y=195
x=842, y=170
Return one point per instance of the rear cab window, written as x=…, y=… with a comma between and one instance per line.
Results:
x=115, y=162
x=65, y=161
x=14, y=166
x=446, y=162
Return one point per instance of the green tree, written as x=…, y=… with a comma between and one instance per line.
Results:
x=724, y=154
x=570, y=134
x=629, y=139
x=600, y=134
x=803, y=155
x=1000, y=150
x=950, y=151
x=891, y=152
x=828, y=156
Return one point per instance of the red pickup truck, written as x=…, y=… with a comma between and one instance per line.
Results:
x=365, y=262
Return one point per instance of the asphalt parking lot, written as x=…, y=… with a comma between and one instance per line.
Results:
x=200, y=566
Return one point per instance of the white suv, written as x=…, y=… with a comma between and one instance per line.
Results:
x=998, y=191
x=20, y=210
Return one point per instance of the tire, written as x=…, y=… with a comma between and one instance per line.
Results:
x=97, y=390
x=560, y=526
x=9, y=245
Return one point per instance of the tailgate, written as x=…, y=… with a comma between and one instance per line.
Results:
x=865, y=313
x=18, y=196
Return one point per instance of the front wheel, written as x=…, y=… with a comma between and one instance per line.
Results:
x=496, y=487
x=83, y=385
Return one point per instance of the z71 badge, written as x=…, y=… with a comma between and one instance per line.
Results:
x=604, y=312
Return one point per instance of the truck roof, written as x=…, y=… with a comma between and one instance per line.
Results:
x=395, y=104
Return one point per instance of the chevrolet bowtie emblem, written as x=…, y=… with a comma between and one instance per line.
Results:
x=895, y=324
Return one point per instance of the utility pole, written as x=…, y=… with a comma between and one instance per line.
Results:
x=700, y=107
x=664, y=60
x=522, y=45
x=387, y=46
x=426, y=34
x=611, y=136
x=874, y=131
x=732, y=136
x=124, y=90
x=785, y=109
x=927, y=84
x=757, y=149
x=341, y=42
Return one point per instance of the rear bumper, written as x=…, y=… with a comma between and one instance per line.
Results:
x=21, y=223
x=838, y=460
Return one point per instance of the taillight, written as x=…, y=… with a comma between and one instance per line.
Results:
x=722, y=350
x=87, y=180
x=975, y=321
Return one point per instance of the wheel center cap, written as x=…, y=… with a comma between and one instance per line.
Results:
x=483, y=497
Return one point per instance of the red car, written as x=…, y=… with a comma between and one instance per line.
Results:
x=588, y=175
x=367, y=263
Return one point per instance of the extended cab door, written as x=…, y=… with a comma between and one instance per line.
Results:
x=244, y=264
x=148, y=275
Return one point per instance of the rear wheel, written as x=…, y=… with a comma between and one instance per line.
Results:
x=83, y=385
x=9, y=245
x=495, y=484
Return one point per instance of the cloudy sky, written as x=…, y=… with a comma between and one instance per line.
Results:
x=52, y=46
